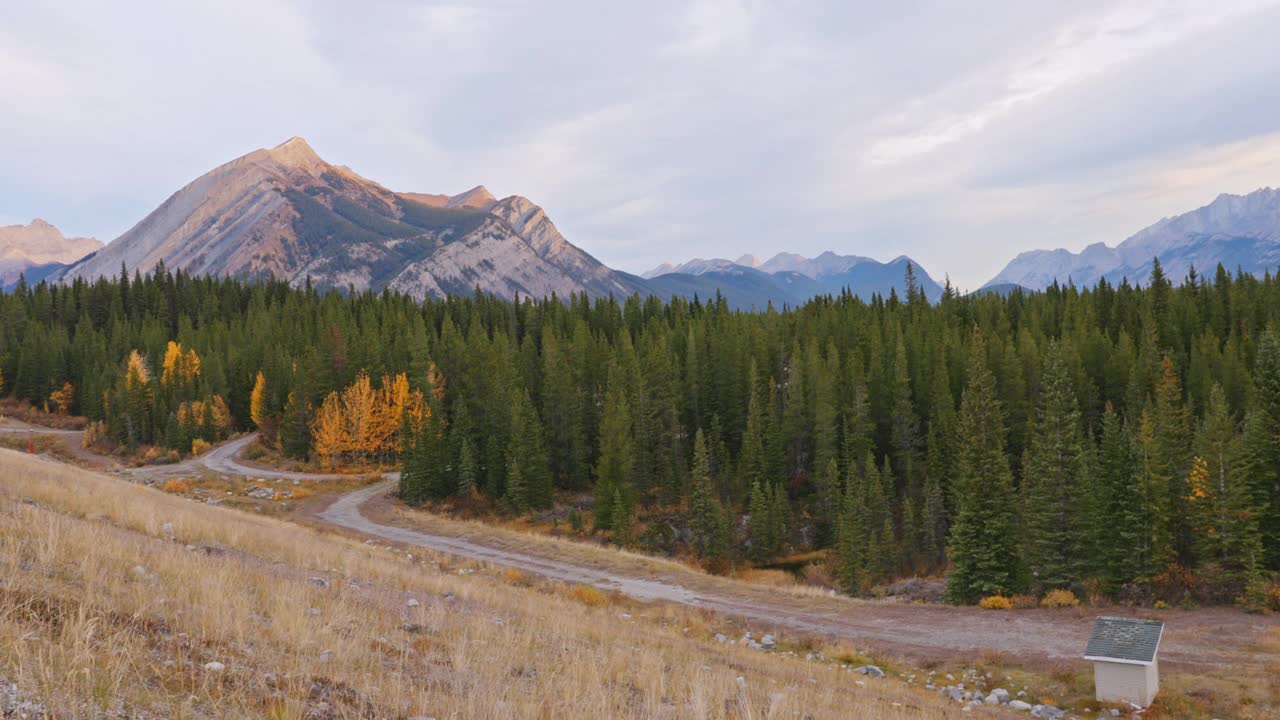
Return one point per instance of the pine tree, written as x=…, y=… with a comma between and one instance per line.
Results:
x=1123, y=507
x=706, y=518
x=467, y=470
x=295, y=429
x=1054, y=483
x=851, y=567
x=1262, y=445
x=1220, y=505
x=613, y=470
x=983, y=537
x=761, y=538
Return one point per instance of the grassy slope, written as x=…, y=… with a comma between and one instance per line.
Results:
x=102, y=608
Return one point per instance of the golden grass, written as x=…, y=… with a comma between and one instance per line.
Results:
x=113, y=597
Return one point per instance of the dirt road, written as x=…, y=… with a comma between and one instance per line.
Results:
x=1214, y=637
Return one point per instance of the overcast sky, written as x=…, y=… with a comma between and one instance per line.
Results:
x=958, y=133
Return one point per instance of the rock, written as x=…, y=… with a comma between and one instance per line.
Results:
x=412, y=602
x=140, y=571
x=955, y=694
x=326, y=656
x=742, y=682
x=167, y=528
x=999, y=695
x=1019, y=705
x=720, y=638
x=411, y=628
x=768, y=642
x=869, y=671
x=318, y=582
x=214, y=667
x=313, y=611
x=859, y=683
x=1047, y=712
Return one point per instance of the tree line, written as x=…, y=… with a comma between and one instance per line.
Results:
x=1111, y=436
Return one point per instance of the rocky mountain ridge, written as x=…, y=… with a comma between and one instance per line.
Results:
x=286, y=213
x=37, y=248
x=1239, y=231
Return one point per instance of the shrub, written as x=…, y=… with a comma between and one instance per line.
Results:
x=515, y=577
x=588, y=595
x=1024, y=602
x=175, y=485
x=1060, y=599
x=995, y=602
x=198, y=446
x=1261, y=595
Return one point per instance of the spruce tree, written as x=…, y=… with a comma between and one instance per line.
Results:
x=614, y=468
x=1262, y=445
x=706, y=518
x=1223, y=515
x=1123, y=507
x=1054, y=484
x=984, y=549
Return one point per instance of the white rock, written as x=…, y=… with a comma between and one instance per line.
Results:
x=412, y=602
x=1019, y=705
x=214, y=666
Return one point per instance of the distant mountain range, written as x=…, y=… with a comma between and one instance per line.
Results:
x=37, y=250
x=288, y=214
x=787, y=278
x=1238, y=231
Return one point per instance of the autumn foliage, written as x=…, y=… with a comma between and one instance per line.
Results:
x=363, y=423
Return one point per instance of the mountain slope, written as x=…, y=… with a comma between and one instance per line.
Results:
x=287, y=213
x=1238, y=231
x=787, y=278
x=38, y=246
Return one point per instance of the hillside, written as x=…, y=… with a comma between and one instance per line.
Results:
x=286, y=213
x=118, y=600
x=789, y=279
x=1240, y=232
x=37, y=249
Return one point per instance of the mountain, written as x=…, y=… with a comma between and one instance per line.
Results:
x=789, y=278
x=286, y=213
x=38, y=249
x=1238, y=231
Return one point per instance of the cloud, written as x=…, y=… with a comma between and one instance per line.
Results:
x=959, y=134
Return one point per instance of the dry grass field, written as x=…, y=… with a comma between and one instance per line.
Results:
x=122, y=601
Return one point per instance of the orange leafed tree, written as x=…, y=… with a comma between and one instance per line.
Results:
x=63, y=397
x=181, y=367
x=258, y=400
x=363, y=422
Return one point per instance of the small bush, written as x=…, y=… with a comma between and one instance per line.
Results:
x=198, y=446
x=1024, y=602
x=995, y=602
x=589, y=596
x=175, y=485
x=1261, y=595
x=1060, y=599
x=515, y=577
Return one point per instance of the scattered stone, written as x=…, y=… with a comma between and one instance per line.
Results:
x=190, y=548
x=313, y=611
x=869, y=671
x=140, y=571
x=412, y=602
x=720, y=638
x=214, y=666
x=326, y=656
x=859, y=683
x=412, y=628
x=1019, y=705
x=768, y=642
x=999, y=695
x=168, y=528
x=1047, y=712
x=318, y=582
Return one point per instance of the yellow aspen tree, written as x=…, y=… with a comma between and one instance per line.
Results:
x=258, y=400
x=221, y=416
x=329, y=433
x=359, y=403
x=63, y=398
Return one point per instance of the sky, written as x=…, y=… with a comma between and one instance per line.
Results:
x=959, y=134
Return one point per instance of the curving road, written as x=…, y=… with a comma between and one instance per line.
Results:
x=1212, y=637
